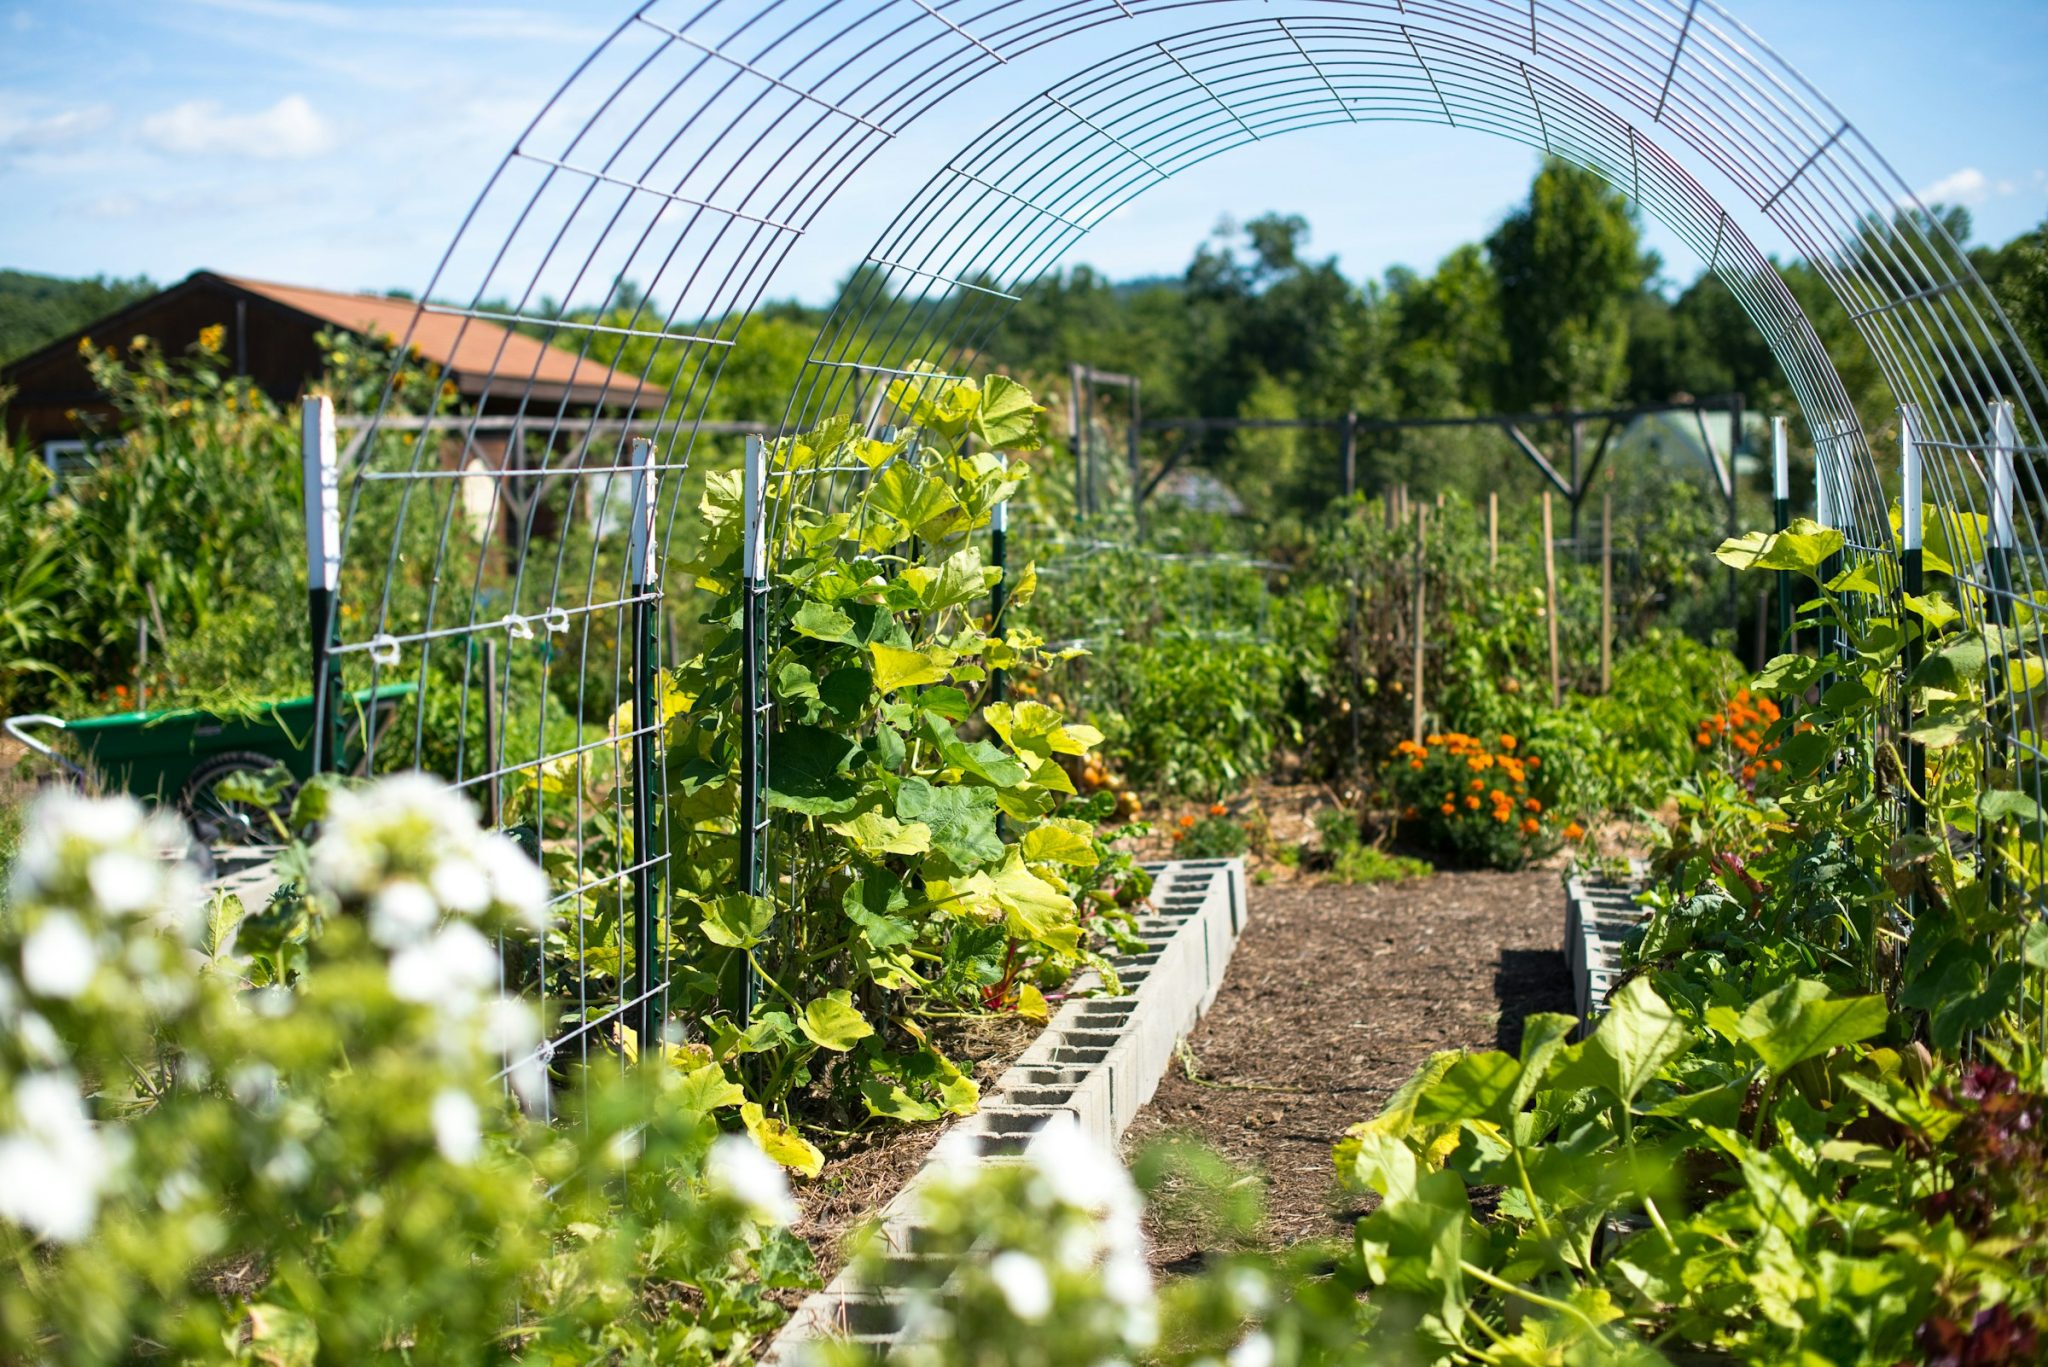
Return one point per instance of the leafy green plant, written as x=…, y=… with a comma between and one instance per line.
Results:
x=205, y=1157
x=924, y=863
x=1210, y=837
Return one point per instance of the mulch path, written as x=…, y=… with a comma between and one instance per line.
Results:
x=1334, y=997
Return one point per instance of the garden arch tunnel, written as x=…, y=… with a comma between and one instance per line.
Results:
x=693, y=149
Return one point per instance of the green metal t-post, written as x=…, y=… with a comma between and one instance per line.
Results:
x=1912, y=580
x=1781, y=516
x=999, y=596
x=322, y=486
x=644, y=1015
x=740, y=986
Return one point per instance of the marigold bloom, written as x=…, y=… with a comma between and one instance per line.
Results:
x=1507, y=742
x=1532, y=804
x=1472, y=801
x=1414, y=764
x=1574, y=831
x=1530, y=825
x=1449, y=809
x=1186, y=821
x=1478, y=785
x=1218, y=809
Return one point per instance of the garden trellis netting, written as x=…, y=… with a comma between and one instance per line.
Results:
x=694, y=148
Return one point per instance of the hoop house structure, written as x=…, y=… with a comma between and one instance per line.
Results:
x=700, y=142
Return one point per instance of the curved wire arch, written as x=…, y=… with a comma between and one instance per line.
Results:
x=700, y=141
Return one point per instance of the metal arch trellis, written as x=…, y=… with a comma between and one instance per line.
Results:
x=700, y=141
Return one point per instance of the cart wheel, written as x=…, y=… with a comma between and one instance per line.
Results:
x=218, y=820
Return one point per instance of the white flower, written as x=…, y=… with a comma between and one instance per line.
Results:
x=737, y=1170
x=122, y=881
x=54, y=1164
x=449, y=969
x=517, y=883
x=58, y=958
x=1255, y=1351
x=402, y=912
x=38, y=1037
x=456, y=1132
x=408, y=823
x=289, y=1167
x=1127, y=1278
x=460, y=885
x=1083, y=1174
x=1022, y=1280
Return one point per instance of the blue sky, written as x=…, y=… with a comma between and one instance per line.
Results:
x=337, y=142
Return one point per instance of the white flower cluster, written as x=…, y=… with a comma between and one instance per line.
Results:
x=738, y=1171
x=100, y=912
x=1084, y=1221
x=408, y=848
x=408, y=852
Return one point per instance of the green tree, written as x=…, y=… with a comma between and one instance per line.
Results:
x=1568, y=264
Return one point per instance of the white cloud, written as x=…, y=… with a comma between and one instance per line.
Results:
x=439, y=21
x=62, y=129
x=1968, y=186
x=290, y=130
x=113, y=205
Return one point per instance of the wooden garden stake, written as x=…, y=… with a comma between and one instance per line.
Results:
x=1421, y=561
x=1606, y=589
x=1550, y=601
x=1493, y=531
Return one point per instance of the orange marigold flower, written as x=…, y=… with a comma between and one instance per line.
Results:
x=1449, y=809
x=1478, y=785
x=1532, y=804
x=1407, y=813
x=1507, y=742
x=1532, y=761
x=1574, y=831
x=1703, y=739
x=1777, y=766
x=1186, y=821
x=1414, y=764
x=1503, y=815
x=1497, y=796
x=1472, y=802
x=1218, y=809
x=1530, y=825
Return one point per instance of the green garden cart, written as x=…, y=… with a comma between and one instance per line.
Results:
x=181, y=757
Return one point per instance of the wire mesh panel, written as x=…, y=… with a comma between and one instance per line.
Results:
x=699, y=143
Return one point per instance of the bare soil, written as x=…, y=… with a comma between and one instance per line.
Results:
x=1334, y=997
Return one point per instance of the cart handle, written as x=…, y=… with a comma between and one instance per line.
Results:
x=16, y=728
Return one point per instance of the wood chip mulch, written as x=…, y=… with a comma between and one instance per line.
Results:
x=1334, y=997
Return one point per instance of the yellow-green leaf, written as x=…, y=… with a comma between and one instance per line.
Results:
x=897, y=668
x=875, y=835
x=782, y=1143
x=831, y=1022
x=1061, y=842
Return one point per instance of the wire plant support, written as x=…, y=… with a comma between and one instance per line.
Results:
x=699, y=143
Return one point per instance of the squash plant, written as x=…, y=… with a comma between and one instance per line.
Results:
x=921, y=863
x=1809, y=1126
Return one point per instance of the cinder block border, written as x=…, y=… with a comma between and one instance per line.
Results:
x=1599, y=911
x=1097, y=1061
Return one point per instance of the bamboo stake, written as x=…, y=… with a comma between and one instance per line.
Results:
x=1550, y=601
x=1606, y=589
x=1493, y=531
x=1421, y=564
